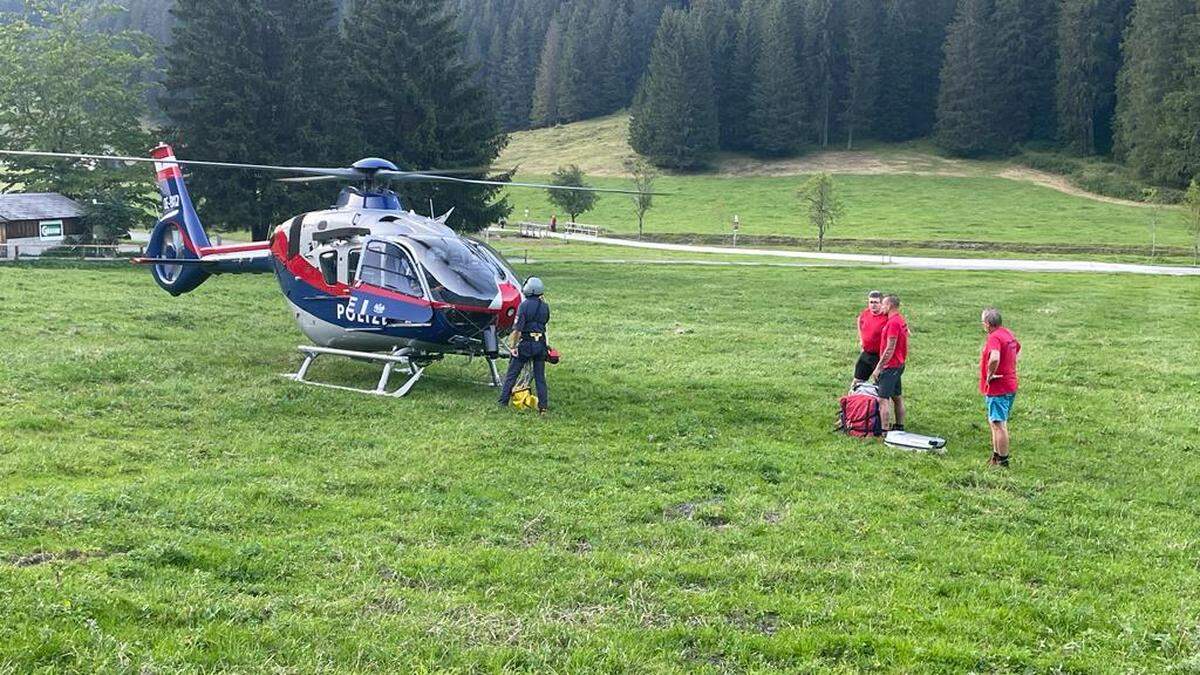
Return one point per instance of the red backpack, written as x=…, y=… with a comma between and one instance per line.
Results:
x=859, y=415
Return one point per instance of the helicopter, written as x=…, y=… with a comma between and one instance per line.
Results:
x=366, y=279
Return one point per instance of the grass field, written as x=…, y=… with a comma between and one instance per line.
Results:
x=168, y=503
x=902, y=206
x=891, y=192
x=519, y=248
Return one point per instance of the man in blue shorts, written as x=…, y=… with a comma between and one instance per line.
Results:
x=998, y=380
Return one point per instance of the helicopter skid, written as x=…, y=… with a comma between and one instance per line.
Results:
x=399, y=357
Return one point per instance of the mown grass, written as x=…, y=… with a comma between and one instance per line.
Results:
x=167, y=503
x=891, y=192
x=520, y=248
x=905, y=207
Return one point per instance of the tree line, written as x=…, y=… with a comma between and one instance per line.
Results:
x=774, y=76
x=982, y=77
x=548, y=62
x=434, y=83
x=283, y=82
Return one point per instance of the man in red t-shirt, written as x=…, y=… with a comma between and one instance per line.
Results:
x=887, y=375
x=998, y=380
x=870, y=326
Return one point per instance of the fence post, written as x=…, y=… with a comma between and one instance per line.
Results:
x=16, y=252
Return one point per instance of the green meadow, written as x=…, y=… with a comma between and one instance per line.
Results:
x=168, y=503
x=913, y=208
x=891, y=192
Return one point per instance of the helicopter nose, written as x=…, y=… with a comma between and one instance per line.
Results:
x=510, y=299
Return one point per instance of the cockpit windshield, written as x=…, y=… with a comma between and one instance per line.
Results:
x=456, y=272
x=503, y=269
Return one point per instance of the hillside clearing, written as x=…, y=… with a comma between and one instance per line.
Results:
x=878, y=207
x=601, y=148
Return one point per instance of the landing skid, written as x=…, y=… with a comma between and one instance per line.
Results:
x=400, y=357
x=405, y=358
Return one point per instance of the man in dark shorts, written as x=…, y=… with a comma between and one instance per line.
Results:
x=870, y=326
x=887, y=375
x=998, y=380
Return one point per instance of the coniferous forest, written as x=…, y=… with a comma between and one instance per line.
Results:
x=1116, y=78
x=438, y=82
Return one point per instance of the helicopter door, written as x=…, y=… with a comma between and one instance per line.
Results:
x=388, y=289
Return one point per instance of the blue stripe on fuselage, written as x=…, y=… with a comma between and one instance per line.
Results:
x=323, y=306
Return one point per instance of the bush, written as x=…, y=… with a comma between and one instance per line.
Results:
x=1095, y=175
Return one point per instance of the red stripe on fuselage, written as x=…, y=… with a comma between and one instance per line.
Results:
x=312, y=276
x=309, y=274
x=169, y=173
x=393, y=295
x=187, y=241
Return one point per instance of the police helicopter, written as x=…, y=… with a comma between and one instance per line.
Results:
x=365, y=279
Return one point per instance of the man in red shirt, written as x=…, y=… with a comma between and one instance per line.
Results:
x=998, y=380
x=887, y=375
x=870, y=326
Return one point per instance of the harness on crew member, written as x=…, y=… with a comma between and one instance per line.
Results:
x=533, y=330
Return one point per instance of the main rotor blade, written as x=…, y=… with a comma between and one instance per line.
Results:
x=395, y=175
x=314, y=171
x=398, y=175
x=310, y=179
x=325, y=173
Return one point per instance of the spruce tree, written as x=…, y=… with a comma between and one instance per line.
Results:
x=516, y=76
x=718, y=24
x=617, y=83
x=492, y=66
x=416, y=104
x=674, y=119
x=216, y=96
x=913, y=38
x=864, y=24
x=778, y=112
x=646, y=18
x=544, y=111
x=1025, y=38
x=573, y=67
x=825, y=62
x=1089, y=39
x=969, y=114
x=256, y=81
x=596, y=63
x=1180, y=163
x=1157, y=50
x=736, y=131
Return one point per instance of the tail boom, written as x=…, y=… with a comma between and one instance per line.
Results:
x=179, y=253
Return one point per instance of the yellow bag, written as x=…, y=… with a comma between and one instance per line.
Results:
x=523, y=397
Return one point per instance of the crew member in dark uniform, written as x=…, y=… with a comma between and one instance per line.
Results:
x=529, y=343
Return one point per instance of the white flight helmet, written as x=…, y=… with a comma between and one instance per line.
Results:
x=534, y=286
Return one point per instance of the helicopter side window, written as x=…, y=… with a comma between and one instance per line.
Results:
x=329, y=266
x=352, y=266
x=386, y=266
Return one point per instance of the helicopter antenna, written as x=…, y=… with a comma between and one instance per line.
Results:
x=431, y=213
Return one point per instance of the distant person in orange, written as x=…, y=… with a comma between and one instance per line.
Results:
x=888, y=374
x=998, y=380
x=870, y=327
